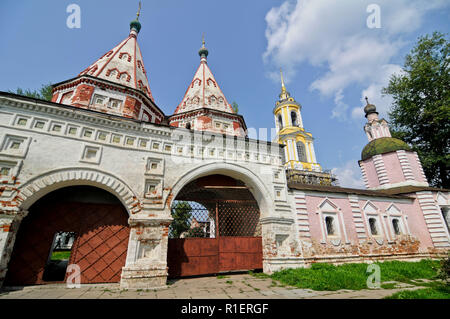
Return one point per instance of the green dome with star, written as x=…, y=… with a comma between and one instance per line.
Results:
x=383, y=145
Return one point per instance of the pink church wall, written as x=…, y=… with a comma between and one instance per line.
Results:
x=393, y=167
x=371, y=173
x=415, y=167
x=415, y=222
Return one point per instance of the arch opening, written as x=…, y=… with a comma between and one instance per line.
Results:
x=216, y=228
x=76, y=225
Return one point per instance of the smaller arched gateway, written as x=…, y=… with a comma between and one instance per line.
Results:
x=216, y=228
x=79, y=225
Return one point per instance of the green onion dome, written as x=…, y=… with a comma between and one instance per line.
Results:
x=203, y=52
x=370, y=108
x=383, y=145
x=135, y=24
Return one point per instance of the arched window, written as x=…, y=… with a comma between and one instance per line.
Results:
x=373, y=226
x=396, y=226
x=446, y=216
x=294, y=118
x=280, y=121
x=301, y=152
x=329, y=223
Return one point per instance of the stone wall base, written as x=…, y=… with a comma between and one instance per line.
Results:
x=343, y=259
x=143, y=277
x=276, y=264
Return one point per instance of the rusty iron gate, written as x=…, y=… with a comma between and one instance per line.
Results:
x=212, y=233
x=99, y=248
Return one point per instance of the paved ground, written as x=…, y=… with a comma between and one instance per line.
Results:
x=242, y=286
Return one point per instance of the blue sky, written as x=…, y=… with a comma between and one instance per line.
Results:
x=331, y=59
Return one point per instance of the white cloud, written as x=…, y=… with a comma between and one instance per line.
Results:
x=334, y=35
x=340, y=110
x=349, y=175
x=373, y=91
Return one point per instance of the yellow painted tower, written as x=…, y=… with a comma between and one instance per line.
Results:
x=300, y=157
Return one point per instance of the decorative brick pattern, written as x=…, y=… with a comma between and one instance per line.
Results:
x=433, y=219
x=357, y=217
x=364, y=175
x=380, y=169
x=406, y=167
x=302, y=216
x=420, y=166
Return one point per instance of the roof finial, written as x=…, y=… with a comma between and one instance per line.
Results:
x=135, y=24
x=282, y=80
x=369, y=108
x=283, y=88
x=203, y=52
x=139, y=11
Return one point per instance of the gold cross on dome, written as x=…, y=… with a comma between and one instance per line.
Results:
x=139, y=11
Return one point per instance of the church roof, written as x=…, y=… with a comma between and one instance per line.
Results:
x=383, y=145
x=123, y=64
x=204, y=91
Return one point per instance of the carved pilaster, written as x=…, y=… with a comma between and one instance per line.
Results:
x=146, y=265
x=281, y=248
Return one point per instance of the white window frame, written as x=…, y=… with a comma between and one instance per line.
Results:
x=329, y=209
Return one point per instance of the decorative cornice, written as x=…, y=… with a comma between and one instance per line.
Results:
x=105, y=84
x=85, y=115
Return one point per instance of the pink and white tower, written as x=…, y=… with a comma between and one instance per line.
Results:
x=204, y=107
x=388, y=162
x=115, y=84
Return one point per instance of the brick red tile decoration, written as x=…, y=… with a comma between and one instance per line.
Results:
x=100, y=247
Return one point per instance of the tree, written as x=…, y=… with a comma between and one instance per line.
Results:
x=195, y=232
x=235, y=107
x=44, y=93
x=181, y=214
x=420, y=113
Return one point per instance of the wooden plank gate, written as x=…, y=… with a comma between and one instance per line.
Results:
x=99, y=249
x=210, y=234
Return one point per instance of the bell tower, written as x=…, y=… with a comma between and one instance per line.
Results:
x=300, y=158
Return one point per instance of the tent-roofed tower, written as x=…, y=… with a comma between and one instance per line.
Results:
x=204, y=107
x=300, y=158
x=116, y=83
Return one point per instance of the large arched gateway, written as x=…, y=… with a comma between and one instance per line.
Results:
x=216, y=228
x=80, y=225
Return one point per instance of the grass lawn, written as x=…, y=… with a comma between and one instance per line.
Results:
x=60, y=255
x=437, y=292
x=323, y=276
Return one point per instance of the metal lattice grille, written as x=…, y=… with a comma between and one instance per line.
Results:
x=194, y=220
x=238, y=218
